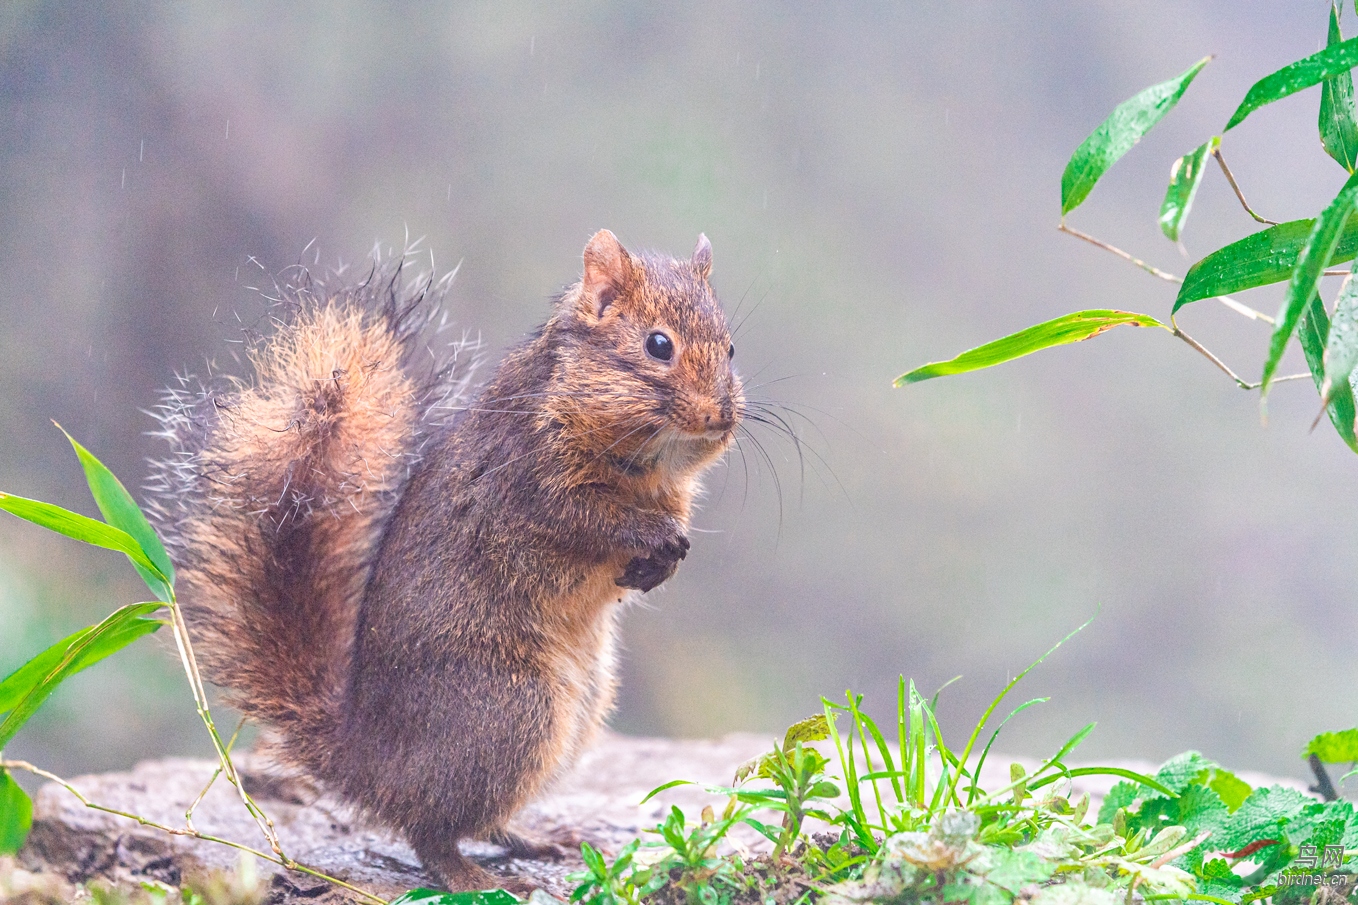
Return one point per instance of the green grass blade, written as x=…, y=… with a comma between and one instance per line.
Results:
x=1103, y=771
x=1315, y=255
x=985, y=717
x=918, y=749
x=435, y=897
x=1117, y=134
x=864, y=724
x=1073, y=742
x=16, y=814
x=1268, y=256
x=847, y=765
x=1069, y=328
x=121, y=511
x=885, y=751
x=669, y=785
x=1338, y=121
x=1295, y=77
x=1312, y=332
x=80, y=527
x=120, y=629
x=1184, y=178
x=985, y=752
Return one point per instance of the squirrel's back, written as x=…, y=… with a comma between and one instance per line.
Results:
x=276, y=490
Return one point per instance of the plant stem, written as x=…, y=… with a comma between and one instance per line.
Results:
x=1236, y=187
x=187, y=831
x=1149, y=268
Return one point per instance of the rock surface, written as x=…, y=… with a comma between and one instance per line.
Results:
x=599, y=803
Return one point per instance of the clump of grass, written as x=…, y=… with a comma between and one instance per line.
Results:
x=920, y=828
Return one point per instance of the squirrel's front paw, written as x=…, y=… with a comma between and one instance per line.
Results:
x=647, y=571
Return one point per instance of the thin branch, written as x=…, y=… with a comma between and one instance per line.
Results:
x=188, y=815
x=186, y=831
x=1236, y=187
x=1243, y=384
x=1149, y=268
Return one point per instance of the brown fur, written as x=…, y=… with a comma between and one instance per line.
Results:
x=436, y=648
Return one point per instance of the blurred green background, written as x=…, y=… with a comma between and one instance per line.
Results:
x=880, y=183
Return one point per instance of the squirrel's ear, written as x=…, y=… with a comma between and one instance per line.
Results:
x=608, y=272
x=702, y=257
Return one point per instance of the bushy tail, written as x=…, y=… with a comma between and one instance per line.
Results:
x=274, y=496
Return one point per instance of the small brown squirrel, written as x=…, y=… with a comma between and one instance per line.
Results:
x=421, y=607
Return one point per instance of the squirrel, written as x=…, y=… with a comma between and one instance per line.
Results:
x=415, y=589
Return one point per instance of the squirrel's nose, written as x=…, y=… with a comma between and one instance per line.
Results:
x=720, y=421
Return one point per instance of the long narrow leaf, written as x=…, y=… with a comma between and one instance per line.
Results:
x=1296, y=77
x=1117, y=134
x=16, y=814
x=121, y=511
x=80, y=527
x=1315, y=255
x=1069, y=328
x=1341, y=345
x=1338, y=121
x=27, y=677
x=1268, y=256
x=985, y=752
x=100, y=641
x=1184, y=178
x=1312, y=332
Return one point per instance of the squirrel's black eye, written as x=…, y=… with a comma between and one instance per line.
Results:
x=731, y=352
x=659, y=346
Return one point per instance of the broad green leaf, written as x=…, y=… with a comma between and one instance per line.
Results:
x=23, y=680
x=1232, y=789
x=1268, y=256
x=120, y=629
x=1315, y=255
x=1069, y=328
x=436, y=897
x=80, y=527
x=121, y=511
x=1184, y=178
x=1115, y=136
x=811, y=729
x=1261, y=817
x=1338, y=119
x=1341, y=345
x=1312, y=332
x=16, y=814
x=1015, y=869
x=1334, y=747
x=1296, y=77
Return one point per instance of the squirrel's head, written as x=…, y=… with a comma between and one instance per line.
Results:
x=643, y=376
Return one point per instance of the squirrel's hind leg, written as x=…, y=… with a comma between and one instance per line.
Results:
x=458, y=873
x=530, y=845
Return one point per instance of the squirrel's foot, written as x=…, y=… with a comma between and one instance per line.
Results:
x=521, y=845
x=456, y=873
x=645, y=572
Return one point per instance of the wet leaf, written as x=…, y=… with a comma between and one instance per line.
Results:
x=1184, y=178
x=436, y=897
x=1312, y=332
x=1338, y=120
x=1341, y=346
x=811, y=729
x=1315, y=255
x=1296, y=77
x=1117, y=134
x=1069, y=328
x=82, y=528
x=1268, y=256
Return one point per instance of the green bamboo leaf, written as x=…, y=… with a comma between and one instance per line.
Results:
x=23, y=680
x=1268, y=256
x=1069, y=328
x=1312, y=332
x=16, y=814
x=1115, y=136
x=1334, y=747
x=1184, y=178
x=120, y=629
x=1315, y=255
x=1341, y=346
x=121, y=511
x=80, y=527
x=1338, y=119
x=1296, y=77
